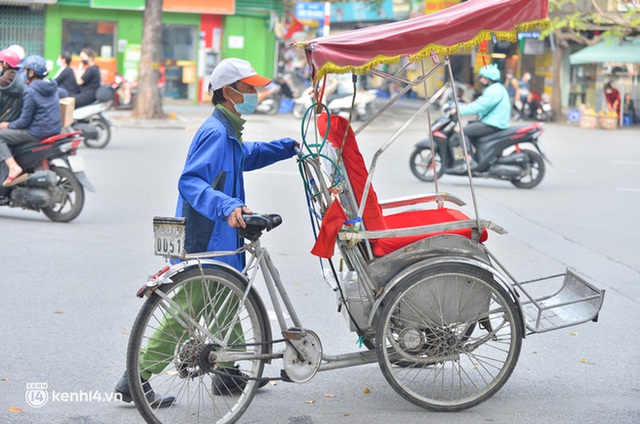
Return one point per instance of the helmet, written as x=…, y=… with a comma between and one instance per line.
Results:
x=37, y=64
x=18, y=50
x=490, y=72
x=9, y=57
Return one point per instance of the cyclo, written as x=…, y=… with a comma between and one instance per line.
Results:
x=432, y=305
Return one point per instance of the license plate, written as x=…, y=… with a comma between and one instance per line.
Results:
x=169, y=234
x=76, y=163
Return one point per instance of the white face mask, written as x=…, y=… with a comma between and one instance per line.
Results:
x=59, y=62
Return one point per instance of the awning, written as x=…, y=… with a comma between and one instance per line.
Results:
x=610, y=50
x=444, y=32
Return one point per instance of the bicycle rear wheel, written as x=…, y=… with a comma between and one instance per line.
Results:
x=178, y=342
x=448, y=337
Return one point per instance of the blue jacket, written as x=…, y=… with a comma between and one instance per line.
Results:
x=40, y=114
x=493, y=107
x=211, y=185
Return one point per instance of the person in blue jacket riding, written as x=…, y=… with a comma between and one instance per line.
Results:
x=212, y=199
x=493, y=108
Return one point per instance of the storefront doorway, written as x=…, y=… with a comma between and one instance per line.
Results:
x=179, y=43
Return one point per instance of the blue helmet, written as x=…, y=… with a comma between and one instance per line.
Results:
x=490, y=72
x=37, y=64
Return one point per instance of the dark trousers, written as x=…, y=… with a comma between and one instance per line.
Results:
x=472, y=131
x=10, y=137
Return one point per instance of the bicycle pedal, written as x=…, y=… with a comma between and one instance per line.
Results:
x=294, y=333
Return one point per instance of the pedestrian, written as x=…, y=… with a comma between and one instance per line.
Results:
x=88, y=79
x=613, y=98
x=39, y=118
x=212, y=199
x=630, y=109
x=513, y=89
x=65, y=76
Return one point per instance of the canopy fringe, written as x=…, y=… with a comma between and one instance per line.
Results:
x=332, y=68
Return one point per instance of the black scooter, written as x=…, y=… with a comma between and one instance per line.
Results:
x=56, y=179
x=498, y=155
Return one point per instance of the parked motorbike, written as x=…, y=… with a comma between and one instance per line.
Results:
x=339, y=104
x=91, y=120
x=125, y=93
x=498, y=155
x=537, y=108
x=269, y=100
x=56, y=179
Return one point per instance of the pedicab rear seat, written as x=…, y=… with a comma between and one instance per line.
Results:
x=388, y=233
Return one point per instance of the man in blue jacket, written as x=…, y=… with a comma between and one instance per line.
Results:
x=212, y=199
x=493, y=108
x=40, y=117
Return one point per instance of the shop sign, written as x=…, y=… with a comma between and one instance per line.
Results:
x=214, y=7
x=436, y=5
x=310, y=10
x=360, y=11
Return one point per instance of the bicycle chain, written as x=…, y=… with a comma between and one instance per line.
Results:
x=246, y=377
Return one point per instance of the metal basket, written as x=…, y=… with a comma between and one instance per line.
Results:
x=575, y=301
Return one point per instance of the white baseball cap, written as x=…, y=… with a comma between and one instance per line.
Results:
x=233, y=70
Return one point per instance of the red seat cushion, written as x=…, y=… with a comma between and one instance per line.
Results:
x=381, y=247
x=372, y=216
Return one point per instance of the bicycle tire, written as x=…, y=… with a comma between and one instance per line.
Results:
x=448, y=337
x=188, y=372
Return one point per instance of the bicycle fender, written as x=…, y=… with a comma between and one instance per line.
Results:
x=498, y=276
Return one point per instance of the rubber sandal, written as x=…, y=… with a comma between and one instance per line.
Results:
x=11, y=181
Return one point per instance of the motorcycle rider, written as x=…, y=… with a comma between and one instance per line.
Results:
x=88, y=79
x=212, y=198
x=493, y=108
x=40, y=117
x=65, y=76
x=11, y=86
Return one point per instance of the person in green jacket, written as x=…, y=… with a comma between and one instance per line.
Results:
x=493, y=109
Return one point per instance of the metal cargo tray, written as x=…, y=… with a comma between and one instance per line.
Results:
x=575, y=302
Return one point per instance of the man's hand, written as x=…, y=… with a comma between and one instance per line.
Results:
x=235, y=218
x=4, y=125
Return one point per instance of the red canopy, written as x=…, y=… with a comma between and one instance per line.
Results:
x=447, y=31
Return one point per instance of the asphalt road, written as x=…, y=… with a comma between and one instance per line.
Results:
x=68, y=290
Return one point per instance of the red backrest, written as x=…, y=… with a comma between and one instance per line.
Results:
x=355, y=166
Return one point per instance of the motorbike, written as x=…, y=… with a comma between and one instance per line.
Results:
x=537, y=108
x=56, y=179
x=125, y=93
x=498, y=155
x=91, y=121
x=270, y=99
x=339, y=104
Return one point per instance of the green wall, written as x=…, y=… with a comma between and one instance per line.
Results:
x=259, y=42
x=129, y=25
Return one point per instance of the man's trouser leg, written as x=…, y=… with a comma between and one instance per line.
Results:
x=9, y=138
x=199, y=301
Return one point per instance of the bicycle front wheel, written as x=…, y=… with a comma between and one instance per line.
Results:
x=448, y=337
x=185, y=341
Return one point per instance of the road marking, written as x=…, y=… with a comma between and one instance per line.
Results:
x=635, y=190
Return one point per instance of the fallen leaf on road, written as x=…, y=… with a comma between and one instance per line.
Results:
x=584, y=361
x=273, y=383
x=329, y=395
x=125, y=331
x=574, y=333
x=4, y=379
x=16, y=410
x=366, y=390
x=58, y=312
x=310, y=401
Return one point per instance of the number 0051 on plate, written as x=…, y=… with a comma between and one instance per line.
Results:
x=168, y=234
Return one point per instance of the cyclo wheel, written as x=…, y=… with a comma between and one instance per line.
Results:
x=448, y=337
x=174, y=355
